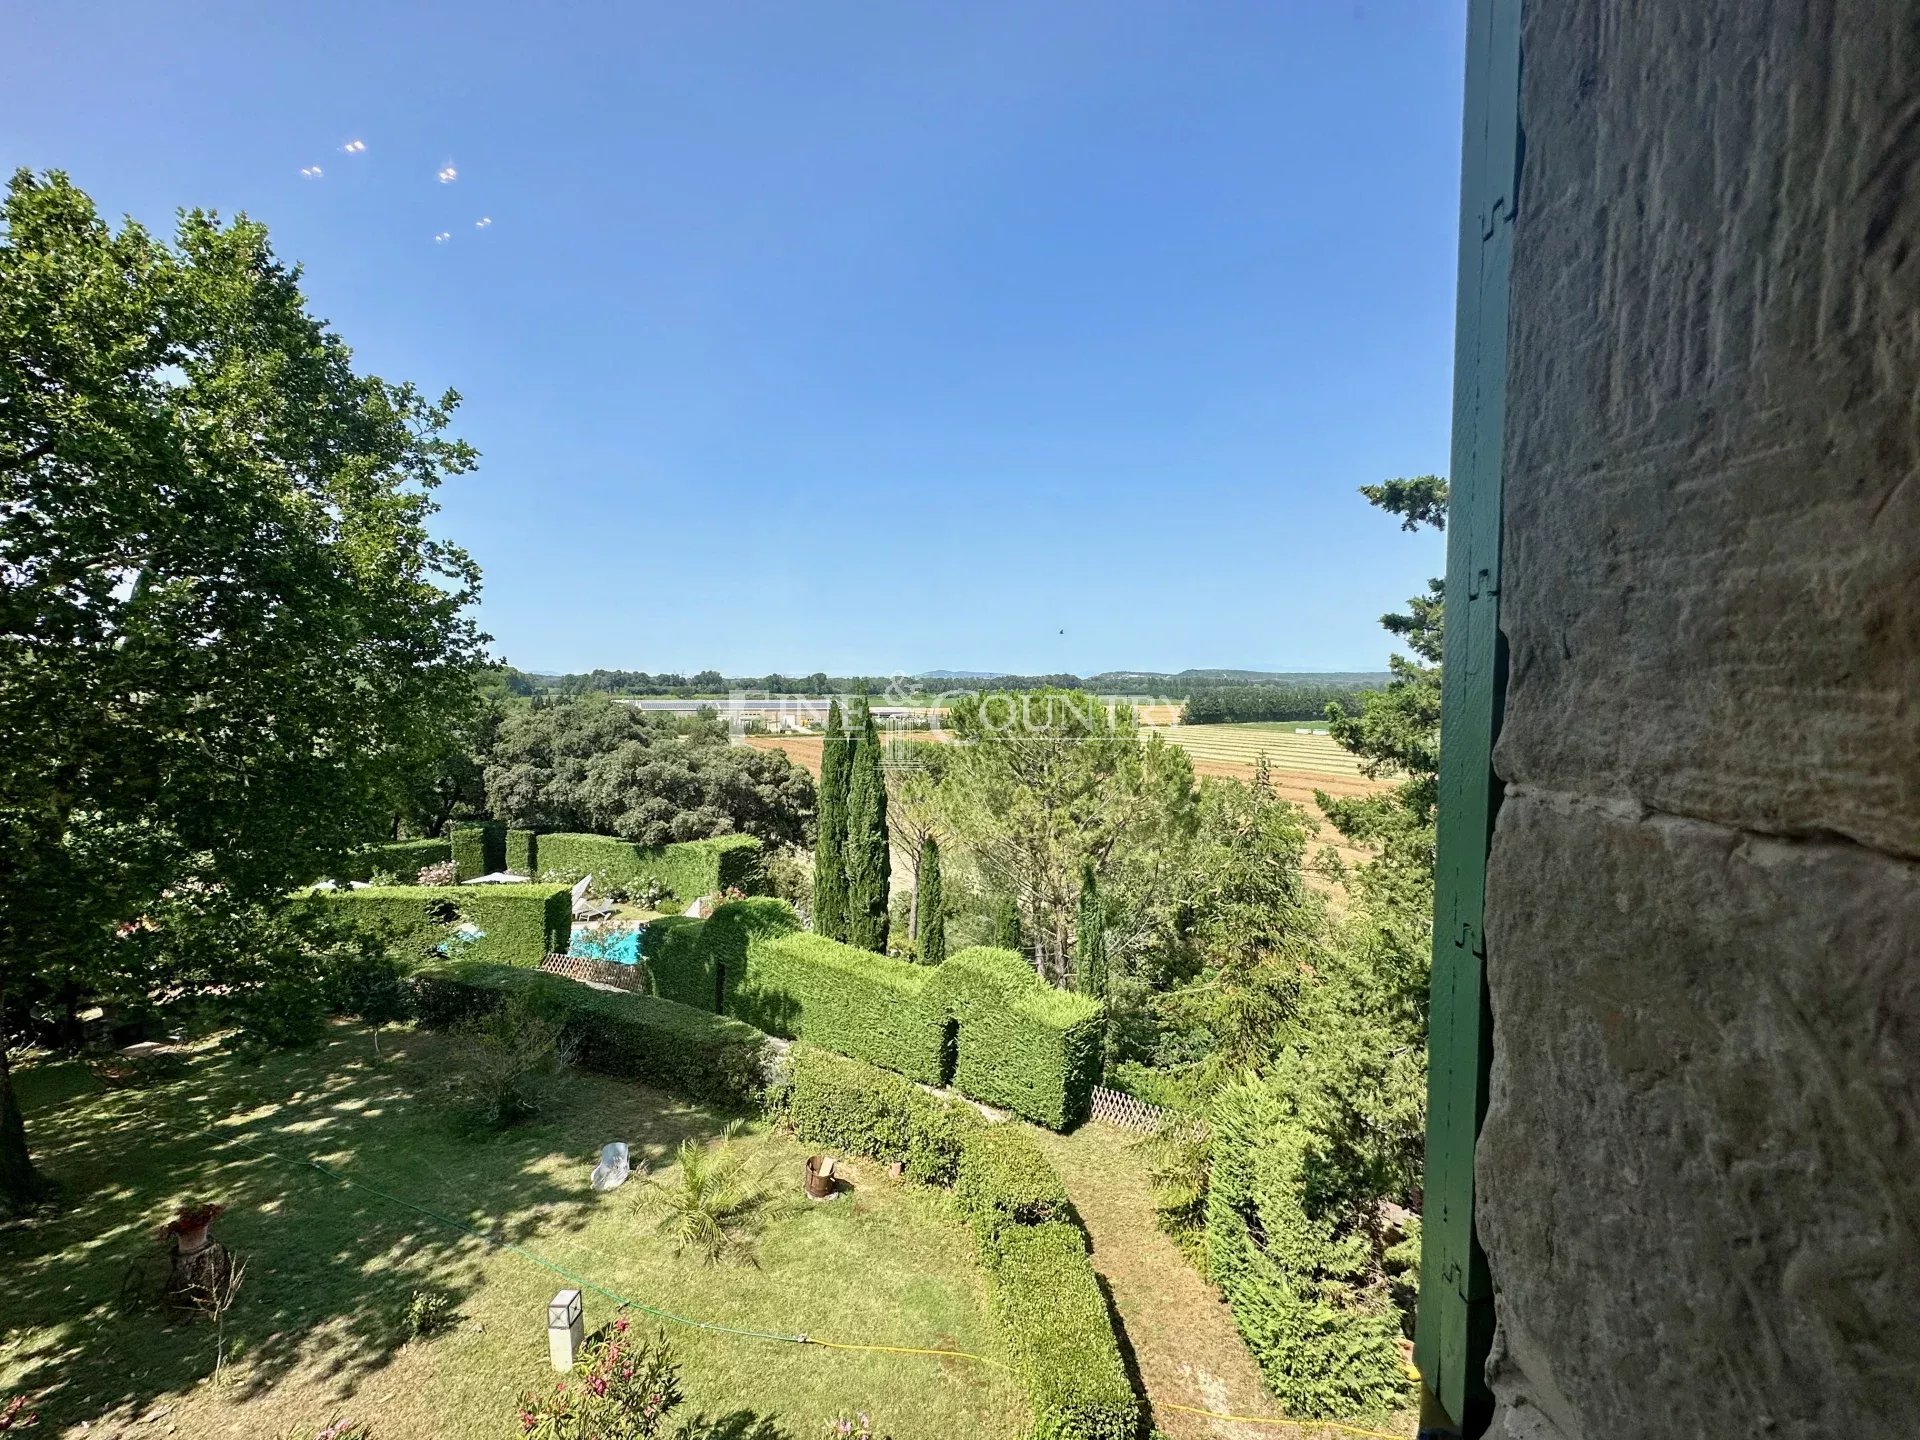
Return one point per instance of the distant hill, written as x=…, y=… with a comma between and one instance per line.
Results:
x=960, y=674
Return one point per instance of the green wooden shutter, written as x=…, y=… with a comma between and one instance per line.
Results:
x=1456, y=1297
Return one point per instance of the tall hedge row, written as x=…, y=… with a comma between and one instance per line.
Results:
x=1024, y=1045
x=1050, y=1310
x=1273, y=1251
x=688, y=870
x=868, y=1006
x=1046, y=1299
x=691, y=1052
x=520, y=855
x=981, y=1021
x=479, y=847
x=690, y=960
x=405, y=858
x=520, y=924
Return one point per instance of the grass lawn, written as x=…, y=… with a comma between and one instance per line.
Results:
x=316, y=1333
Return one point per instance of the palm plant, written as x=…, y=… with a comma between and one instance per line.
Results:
x=713, y=1206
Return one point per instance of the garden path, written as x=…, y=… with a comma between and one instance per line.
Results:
x=1184, y=1343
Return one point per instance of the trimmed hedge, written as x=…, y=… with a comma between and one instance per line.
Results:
x=1024, y=1046
x=859, y=1109
x=521, y=924
x=982, y=1021
x=521, y=854
x=405, y=858
x=688, y=870
x=1046, y=1299
x=479, y=848
x=868, y=1006
x=700, y=962
x=637, y=1037
x=1005, y=1181
x=676, y=962
x=1056, y=1324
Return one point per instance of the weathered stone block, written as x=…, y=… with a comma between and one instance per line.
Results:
x=1711, y=578
x=1697, y=1177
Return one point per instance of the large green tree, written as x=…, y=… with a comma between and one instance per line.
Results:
x=830, y=849
x=869, y=846
x=592, y=763
x=226, y=634
x=1043, y=783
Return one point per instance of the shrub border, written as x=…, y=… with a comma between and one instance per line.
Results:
x=1046, y=1300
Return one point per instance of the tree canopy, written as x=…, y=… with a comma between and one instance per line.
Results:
x=594, y=764
x=1042, y=784
x=227, y=636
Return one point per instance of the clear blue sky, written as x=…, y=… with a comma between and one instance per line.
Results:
x=848, y=337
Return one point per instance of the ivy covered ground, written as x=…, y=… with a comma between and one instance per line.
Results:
x=317, y=1332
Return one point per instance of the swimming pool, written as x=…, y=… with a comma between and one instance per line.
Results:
x=618, y=943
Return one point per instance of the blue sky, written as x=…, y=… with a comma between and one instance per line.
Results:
x=848, y=337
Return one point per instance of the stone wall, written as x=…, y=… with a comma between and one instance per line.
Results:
x=1699, y=1178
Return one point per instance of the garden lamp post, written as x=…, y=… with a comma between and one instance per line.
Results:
x=566, y=1330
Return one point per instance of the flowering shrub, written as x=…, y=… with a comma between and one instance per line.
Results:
x=440, y=874
x=622, y=1389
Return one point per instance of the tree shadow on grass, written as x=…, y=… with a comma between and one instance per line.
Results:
x=330, y=1265
x=737, y=1425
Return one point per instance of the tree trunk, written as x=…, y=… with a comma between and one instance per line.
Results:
x=18, y=1184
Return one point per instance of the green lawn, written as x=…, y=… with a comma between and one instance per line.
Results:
x=315, y=1334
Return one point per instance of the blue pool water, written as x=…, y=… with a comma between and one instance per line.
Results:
x=620, y=944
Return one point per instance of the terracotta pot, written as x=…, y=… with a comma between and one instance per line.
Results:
x=190, y=1242
x=820, y=1182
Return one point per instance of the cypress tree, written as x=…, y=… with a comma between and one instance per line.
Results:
x=867, y=861
x=829, y=853
x=932, y=906
x=1090, y=948
x=1006, y=924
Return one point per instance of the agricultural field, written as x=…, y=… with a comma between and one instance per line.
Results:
x=1299, y=765
x=804, y=750
x=1282, y=741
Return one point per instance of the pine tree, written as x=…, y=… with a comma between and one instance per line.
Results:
x=829, y=854
x=1006, y=925
x=867, y=860
x=932, y=907
x=1090, y=948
